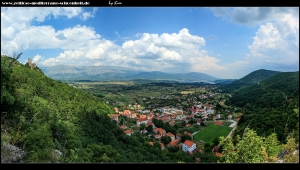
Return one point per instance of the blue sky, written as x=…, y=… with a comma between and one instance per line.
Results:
x=222, y=42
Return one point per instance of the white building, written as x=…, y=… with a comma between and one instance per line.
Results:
x=140, y=121
x=188, y=146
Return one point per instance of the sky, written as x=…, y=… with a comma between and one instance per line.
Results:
x=224, y=42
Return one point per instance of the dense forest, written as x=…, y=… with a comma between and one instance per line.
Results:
x=54, y=122
x=269, y=105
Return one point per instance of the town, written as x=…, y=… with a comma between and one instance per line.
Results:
x=151, y=123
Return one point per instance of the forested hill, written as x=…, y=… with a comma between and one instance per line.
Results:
x=250, y=79
x=269, y=105
x=271, y=92
x=41, y=114
x=54, y=122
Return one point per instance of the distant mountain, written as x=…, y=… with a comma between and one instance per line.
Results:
x=250, y=79
x=182, y=77
x=65, y=72
x=100, y=73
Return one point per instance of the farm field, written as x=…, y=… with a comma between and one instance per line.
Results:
x=211, y=132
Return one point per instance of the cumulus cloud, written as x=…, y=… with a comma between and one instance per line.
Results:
x=21, y=32
x=36, y=58
x=81, y=44
x=277, y=39
x=86, y=15
x=165, y=52
x=202, y=62
x=49, y=62
x=254, y=15
x=269, y=45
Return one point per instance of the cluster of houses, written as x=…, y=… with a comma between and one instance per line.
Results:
x=167, y=115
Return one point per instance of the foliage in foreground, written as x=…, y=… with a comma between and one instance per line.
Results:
x=252, y=148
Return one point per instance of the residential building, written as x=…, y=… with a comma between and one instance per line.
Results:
x=171, y=135
x=178, y=136
x=230, y=116
x=144, y=131
x=115, y=117
x=174, y=143
x=160, y=131
x=140, y=121
x=188, y=146
x=187, y=133
x=128, y=132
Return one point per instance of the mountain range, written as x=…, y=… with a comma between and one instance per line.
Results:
x=101, y=73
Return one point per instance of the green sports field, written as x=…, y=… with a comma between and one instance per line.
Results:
x=209, y=133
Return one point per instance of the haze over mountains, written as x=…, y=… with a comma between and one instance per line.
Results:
x=100, y=73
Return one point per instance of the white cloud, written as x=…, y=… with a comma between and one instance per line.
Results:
x=266, y=37
x=277, y=39
x=87, y=15
x=254, y=15
x=81, y=45
x=171, y=55
x=22, y=32
x=270, y=46
x=49, y=62
x=100, y=50
x=202, y=62
x=151, y=52
x=36, y=58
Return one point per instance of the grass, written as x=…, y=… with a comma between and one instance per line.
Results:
x=226, y=123
x=236, y=115
x=187, y=92
x=211, y=132
x=191, y=129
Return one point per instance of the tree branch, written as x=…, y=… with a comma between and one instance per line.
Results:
x=15, y=59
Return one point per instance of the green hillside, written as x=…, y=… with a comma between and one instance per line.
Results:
x=250, y=79
x=271, y=92
x=269, y=105
x=40, y=113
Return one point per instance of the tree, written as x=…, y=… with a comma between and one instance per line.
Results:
x=185, y=137
x=149, y=128
x=251, y=148
x=216, y=141
x=290, y=148
x=14, y=59
x=8, y=88
x=142, y=126
x=207, y=148
x=166, y=139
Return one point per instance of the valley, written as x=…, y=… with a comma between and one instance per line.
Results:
x=146, y=120
x=141, y=98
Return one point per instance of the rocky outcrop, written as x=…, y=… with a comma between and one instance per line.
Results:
x=12, y=154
